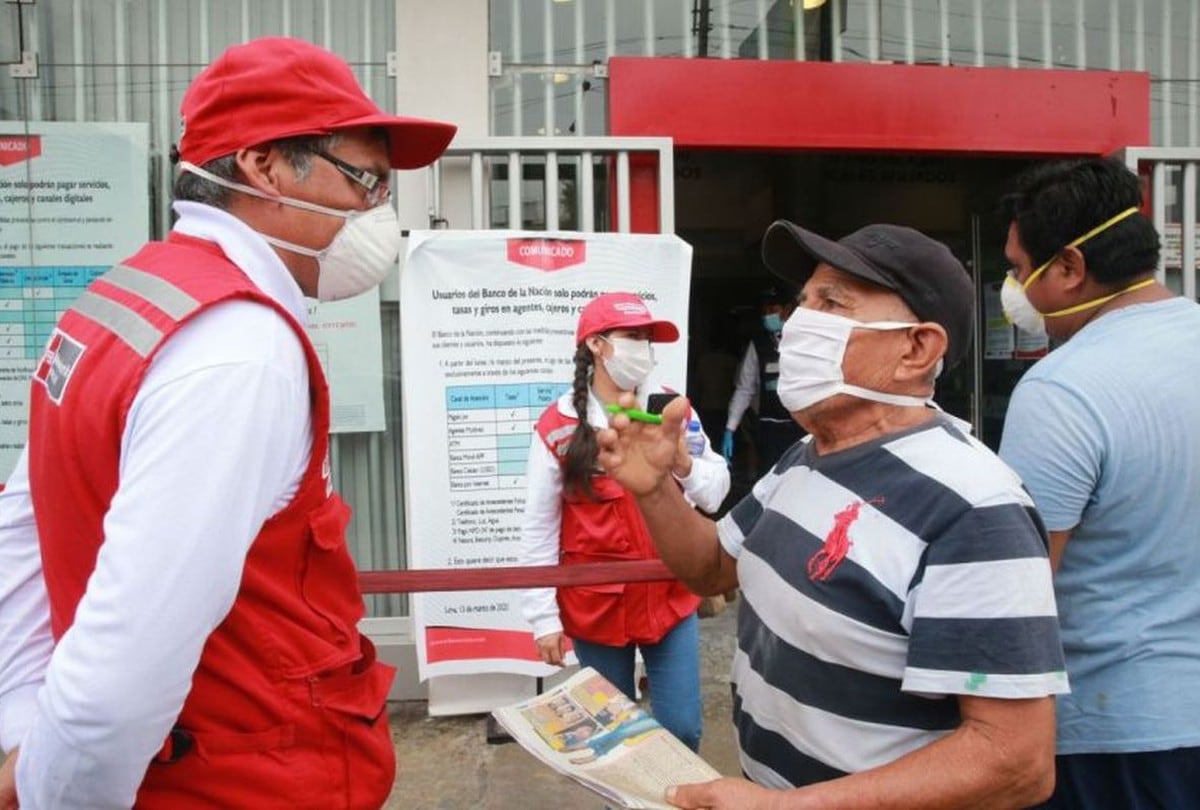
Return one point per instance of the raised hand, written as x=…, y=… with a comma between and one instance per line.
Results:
x=640, y=455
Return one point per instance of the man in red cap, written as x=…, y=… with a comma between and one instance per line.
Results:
x=180, y=608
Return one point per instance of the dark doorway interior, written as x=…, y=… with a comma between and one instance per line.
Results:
x=725, y=200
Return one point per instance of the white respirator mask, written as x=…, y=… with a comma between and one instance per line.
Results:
x=359, y=256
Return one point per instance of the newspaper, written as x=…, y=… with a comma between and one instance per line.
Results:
x=587, y=729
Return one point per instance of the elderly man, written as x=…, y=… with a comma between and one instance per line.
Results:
x=897, y=644
x=179, y=608
x=1104, y=432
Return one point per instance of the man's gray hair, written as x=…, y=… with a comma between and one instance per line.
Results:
x=297, y=151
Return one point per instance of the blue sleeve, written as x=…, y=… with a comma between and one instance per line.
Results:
x=1055, y=442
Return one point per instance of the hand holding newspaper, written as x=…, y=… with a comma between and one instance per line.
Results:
x=587, y=729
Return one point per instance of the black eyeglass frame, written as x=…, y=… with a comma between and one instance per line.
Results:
x=364, y=177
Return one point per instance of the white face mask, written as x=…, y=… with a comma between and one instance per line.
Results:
x=1018, y=309
x=358, y=258
x=811, y=351
x=630, y=363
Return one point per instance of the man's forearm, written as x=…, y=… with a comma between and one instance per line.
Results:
x=687, y=541
x=971, y=767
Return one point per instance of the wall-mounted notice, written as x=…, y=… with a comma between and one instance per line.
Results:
x=348, y=338
x=74, y=200
x=487, y=335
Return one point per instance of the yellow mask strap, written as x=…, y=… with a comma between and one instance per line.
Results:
x=1103, y=226
x=1099, y=301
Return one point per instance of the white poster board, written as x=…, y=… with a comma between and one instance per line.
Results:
x=74, y=201
x=349, y=340
x=487, y=335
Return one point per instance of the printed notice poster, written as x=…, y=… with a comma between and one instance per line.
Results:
x=349, y=341
x=487, y=338
x=999, y=340
x=74, y=200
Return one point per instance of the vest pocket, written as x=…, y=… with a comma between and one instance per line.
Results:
x=329, y=581
x=359, y=691
x=598, y=527
x=594, y=613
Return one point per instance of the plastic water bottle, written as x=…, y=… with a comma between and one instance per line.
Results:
x=695, y=438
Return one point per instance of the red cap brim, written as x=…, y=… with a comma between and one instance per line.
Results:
x=663, y=332
x=412, y=142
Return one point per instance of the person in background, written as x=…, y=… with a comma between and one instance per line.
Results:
x=757, y=381
x=897, y=638
x=178, y=607
x=1105, y=433
x=574, y=513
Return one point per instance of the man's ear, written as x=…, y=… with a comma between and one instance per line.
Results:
x=259, y=167
x=927, y=344
x=1073, y=272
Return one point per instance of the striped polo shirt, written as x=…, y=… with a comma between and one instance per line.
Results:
x=879, y=583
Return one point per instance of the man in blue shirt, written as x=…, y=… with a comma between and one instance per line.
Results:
x=1105, y=432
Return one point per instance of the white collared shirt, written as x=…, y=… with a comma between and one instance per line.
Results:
x=216, y=441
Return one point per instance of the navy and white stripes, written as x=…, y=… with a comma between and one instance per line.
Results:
x=939, y=587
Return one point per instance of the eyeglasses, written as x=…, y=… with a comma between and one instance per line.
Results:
x=377, y=188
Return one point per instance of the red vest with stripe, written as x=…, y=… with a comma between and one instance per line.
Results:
x=605, y=528
x=288, y=704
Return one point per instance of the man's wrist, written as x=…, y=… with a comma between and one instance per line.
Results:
x=662, y=491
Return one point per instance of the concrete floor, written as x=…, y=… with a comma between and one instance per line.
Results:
x=446, y=763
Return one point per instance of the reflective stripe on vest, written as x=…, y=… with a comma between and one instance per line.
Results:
x=163, y=294
x=134, y=330
x=558, y=438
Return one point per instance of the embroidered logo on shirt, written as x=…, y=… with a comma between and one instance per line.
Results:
x=837, y=543
x=58, y=363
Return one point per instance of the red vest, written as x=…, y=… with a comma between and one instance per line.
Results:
x=609, y=528
x=288, y=705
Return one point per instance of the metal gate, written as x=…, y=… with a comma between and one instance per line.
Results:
x=1171, y=174
x=568, y=183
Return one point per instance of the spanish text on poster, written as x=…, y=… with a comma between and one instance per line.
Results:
x=487, y=334
x=74, y=200
x=348, y=338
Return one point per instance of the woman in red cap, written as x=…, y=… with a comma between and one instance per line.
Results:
x=574, y=513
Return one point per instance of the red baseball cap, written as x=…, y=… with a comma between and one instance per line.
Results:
x=280, y=87
x=622, y=310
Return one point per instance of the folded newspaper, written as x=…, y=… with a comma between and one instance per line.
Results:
x=587, y=729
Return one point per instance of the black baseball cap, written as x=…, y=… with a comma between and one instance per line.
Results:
x=921, y=270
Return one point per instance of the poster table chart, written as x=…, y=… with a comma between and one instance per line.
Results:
x=488, y=431
x=32, y=299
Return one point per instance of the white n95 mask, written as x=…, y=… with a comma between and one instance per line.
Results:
x=359, y=256
x=1018, y=308
x=811, y=351
x=630, y=363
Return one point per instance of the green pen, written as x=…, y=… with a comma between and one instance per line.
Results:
x=635, y=414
